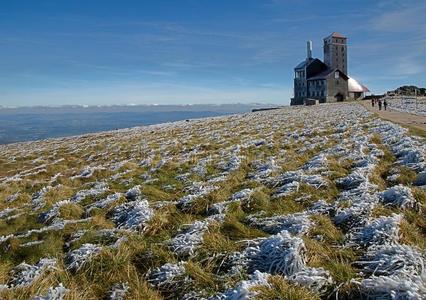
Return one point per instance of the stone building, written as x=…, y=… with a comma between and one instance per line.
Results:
x=325, y=81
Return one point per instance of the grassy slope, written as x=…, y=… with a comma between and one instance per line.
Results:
x=143, y=251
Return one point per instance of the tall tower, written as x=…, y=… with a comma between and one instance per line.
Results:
x=335, y=52
x=308, y=49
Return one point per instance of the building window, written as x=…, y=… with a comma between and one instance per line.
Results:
x=336, y=75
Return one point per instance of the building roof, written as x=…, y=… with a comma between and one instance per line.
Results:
x=326, y=73
x=356, y=87
x=336, y=35
x=304, y=63
x=322, y=75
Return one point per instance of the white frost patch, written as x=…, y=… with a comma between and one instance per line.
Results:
x=296, y=224
x=316, y=164
x=119, y=291
x=320, y=207
x=242, y=195
x=420, y=179
x=411, y=106
x=264, y=170
x=200, y=169
x=316, y=181
x=290, y=181
x=76, y=259
x=393, y=287
x=198, y=190
x=97, y=189
x=6, y=212
x=86, y=173
x=54, y=293
x=353, y=180
x=24, y=274
x=278, y=254
x=53, y=213
x=286, y=189
x=104, y=203
x=283, y=254
x=77, y=235
x=232, y=164
x=380, y=231
x=244, y=290
x=38, y=198
x=221, y=207
x=399, y=196
x=134, y=193
x=355, y=215
x=188, y=240
x=393, y=260
x=13, y=197
x=168, y=277
x=133, y=215
x=31, y=244
x=315, y=279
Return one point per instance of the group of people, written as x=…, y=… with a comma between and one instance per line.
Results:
x=379, y=103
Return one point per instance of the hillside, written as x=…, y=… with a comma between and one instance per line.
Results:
x=409, y=90
x=296, y=203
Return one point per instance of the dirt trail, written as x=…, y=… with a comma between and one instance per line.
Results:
x=402, y=118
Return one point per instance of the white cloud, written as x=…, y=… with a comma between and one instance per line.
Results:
x=408, y=17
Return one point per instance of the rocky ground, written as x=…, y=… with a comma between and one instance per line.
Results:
x=297, y=203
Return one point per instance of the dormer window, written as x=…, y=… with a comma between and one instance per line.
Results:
x=336, y=75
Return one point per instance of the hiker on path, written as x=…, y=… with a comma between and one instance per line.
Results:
x=372, y=102
x=385, y=104
x=380, y=104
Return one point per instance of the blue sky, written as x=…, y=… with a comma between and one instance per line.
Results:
x=196, y=51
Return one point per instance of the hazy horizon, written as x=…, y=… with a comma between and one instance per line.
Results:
x=41, y=122
x=133, y=105
x=179, y=52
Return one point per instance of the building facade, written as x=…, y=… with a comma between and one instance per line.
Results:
x=324, y=81
x=336, y=52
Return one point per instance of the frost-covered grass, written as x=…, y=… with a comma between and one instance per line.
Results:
x=297, y=203
x=410, y=105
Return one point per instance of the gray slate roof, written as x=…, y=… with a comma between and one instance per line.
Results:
x=326, y=73
x=304, y=63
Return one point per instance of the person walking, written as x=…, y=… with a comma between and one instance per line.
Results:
x=385, y=104
x=380, y=104
x=372, y=102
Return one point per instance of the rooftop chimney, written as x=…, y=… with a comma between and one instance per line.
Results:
x=309, y=48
